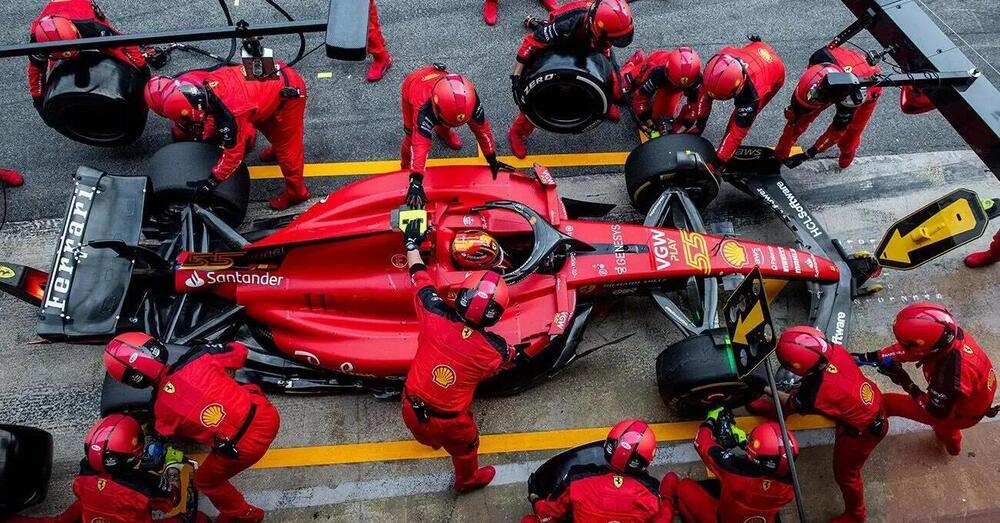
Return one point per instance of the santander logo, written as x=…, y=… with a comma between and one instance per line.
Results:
x=194, y=281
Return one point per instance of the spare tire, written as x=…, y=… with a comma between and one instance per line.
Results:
x=176, y=165
x=549, y=480
x=565, y=91
x=700, y=371
x=96, y=99
x=25, y=467
x=668, y=161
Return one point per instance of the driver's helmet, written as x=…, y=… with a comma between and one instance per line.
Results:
x=178, y=100
x=114, y=444
x=611, y=21
x=630, y=446
x=924, y=329
x=55, y=29
x=476, y=250
x=135, y=359
x=766, y=448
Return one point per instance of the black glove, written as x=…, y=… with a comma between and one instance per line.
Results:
x=412, y=235
x=203, y=189
x=753, y=37
x=900, y=377
x=496, y=165
x=515, y=81
x=156, y=58
x=416, y=198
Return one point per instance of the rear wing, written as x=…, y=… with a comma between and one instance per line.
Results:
x=87, y=287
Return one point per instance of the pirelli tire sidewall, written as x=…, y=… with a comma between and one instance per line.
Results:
x=566, y=92
x=653, y=166
x=697, y=373
x=25, y=467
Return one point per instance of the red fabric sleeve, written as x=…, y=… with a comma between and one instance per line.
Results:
x=36, y=77
x=704, y=442
x=420, y=148
x=421, y=280
x=554, y=510
x=735, y=134
x=894, y=352
x=529, y=46
x=696, y=112
x=234, y=358
x=233, y=156
x=484, y=135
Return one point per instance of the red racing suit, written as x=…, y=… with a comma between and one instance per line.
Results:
x=654, y=97
x=197, y=400
x=765, y=74
x=91, y=22
x=748, y=493
x=848, y=123
x=566, y=27
x=376, y=41
x=452, y=359
x=420, y=122
x=843, y=394
x=596, y=494
x=961, y=386
x=239, y=107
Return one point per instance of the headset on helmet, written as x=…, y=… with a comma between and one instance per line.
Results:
x=630, y=446
x=135, y=359
x=683, y=67
x=924, y=329
x=803, y=350
x=476, y=250
x=807, y=91
x=115, y=443
x=611, y=20
x=55, y=29
x=453, y=99
x=482, y=298
x=724, y=76
x=766, y=448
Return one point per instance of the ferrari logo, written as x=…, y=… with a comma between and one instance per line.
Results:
x=967, y=349
x=867, y=393
x=848, y=69
x=169, y=388
x=213, y=84
x=460, y=117
x=443, y=375
x=766, y=485
x=765, y=55
x=619, y=481
x=101, y=483
x=466, y=333
x=685, y=80
x=212, y=415
x=832, y=369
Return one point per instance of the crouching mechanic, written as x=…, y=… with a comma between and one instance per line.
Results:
x=69, y=20
x=197, y=399
x=750, y=76
x=656, y=82
x=454, y=354
x=833, y=386
x=808, y=102
x=584, y=26
x=755, y=487
x=224, y=104
x=619, y=491
x=960, y=377
x=975, y=260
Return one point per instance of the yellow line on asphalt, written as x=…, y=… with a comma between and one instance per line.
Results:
x=491, y=444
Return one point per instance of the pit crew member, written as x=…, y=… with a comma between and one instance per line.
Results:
x=490, y=9
x=196, y=399
x=754, y=487
x=750, y=76
x=70, y=20
x=595, y=26
x=977, y=259
x=620, y=491
x=656, y=82
x=808, y=102
x=833, y=386
x=455, y=353
x=224, y=104
x=381, y=59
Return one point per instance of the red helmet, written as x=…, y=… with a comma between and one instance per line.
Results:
x=923, y=329
x=630, y=446
x=476, y=250
x=453, y=98
x=136, y=359
x=807, y=91
x=766, y=448
x=683, y=67
x=803, y=349
x=114, y=444
x=177, y=100
x=611, y=20
x=482, y=298
x=724, y=76
x=55, y=29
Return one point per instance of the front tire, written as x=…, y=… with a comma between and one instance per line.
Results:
x=655, y=166
x=698, y=372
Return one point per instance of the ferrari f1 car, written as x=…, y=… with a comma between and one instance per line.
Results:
x=324, y=301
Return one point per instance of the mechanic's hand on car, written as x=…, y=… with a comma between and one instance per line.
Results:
x=203, y=189
x=872, y=359
x=416, y=198
x=413, y=236
x=496, y=165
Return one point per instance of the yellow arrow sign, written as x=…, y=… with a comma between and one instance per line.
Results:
x=746, y=325
x=954, y=219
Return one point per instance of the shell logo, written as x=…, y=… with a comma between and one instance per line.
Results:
x=734, y=254
x=867, y=393
x=765, y=55
x=212, y=415
x=6, y=272
x=443, y=375
x=991, y=380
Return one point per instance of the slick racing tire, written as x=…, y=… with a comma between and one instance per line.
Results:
x=566, y=92
x=176, y=165
x=549, y=480
x=698, y=373
x=660, y=163
x=97, y=100
x=25, y=467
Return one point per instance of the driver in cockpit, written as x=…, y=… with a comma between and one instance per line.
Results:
x=477, y=250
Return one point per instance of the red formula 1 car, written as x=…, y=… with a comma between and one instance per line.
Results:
x=324, y=299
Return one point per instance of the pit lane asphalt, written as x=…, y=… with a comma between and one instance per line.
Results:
x=349, y=119
x=56, y=386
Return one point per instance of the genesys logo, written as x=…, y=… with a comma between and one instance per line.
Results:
x=197, y=279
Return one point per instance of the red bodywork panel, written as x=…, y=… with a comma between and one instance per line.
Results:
x=333, y=287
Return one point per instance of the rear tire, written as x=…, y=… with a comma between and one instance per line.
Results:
x=25, y=467
x=173, y=167
x=566, y=92
x=653, y=167
x=697, y=373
